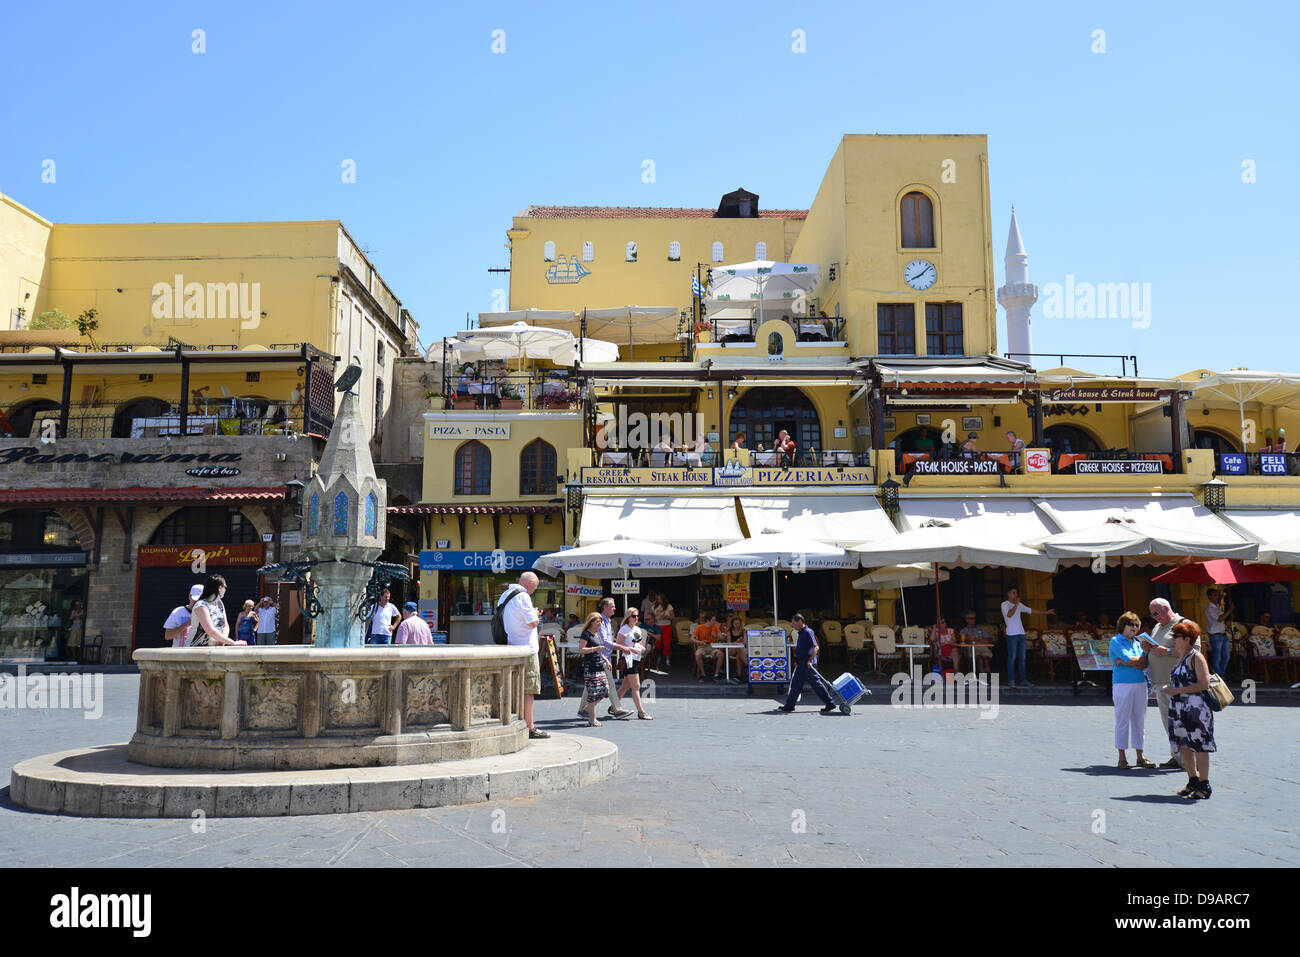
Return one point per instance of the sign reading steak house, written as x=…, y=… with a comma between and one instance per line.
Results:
x=31, y=455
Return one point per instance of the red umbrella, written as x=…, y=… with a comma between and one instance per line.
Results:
x=1228, y=571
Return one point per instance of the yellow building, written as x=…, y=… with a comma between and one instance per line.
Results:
x=886, y=374
x=197, y=387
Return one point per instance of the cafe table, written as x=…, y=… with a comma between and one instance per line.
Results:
x=726, y=658
x=974, y=656
x=910, y=649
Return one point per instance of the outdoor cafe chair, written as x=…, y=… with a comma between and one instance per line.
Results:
x=833, y=633
x=855, y=640
x=916, y=635
x=882, y=639
x=682, y=633
x=1262, y=652
x=1056, y=651
x=1288, y=644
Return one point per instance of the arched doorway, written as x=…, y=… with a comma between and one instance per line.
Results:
x=1069, y=438
x=1214, y=439
x=763, y=412
x=147, y=408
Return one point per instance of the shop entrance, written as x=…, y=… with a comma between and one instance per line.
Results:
x=166, y=572
x=813, y=593
x=43, y=576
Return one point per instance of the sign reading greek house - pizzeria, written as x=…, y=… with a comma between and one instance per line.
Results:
x=1124, y=394
x=1102, y=467
x=469, y=430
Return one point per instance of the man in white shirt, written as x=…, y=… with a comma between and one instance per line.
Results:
x=177, y=625
x=520, y=618
x=265, y=621
x=1217, y=613
x=383, y=621
x=1012, y=609
x=1161, y=662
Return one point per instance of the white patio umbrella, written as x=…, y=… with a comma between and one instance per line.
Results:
x=900, y=577
x=633, y=324
x=646, y=559
x=943, y=543
x=761, y=280
x=1121, y=536
x=773, y=549
x=590, y=350
x=1240, y=386
x=519, y=340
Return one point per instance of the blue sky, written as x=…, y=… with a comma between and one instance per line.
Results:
x=1124, y=166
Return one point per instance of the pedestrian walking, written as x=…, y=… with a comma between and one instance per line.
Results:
x=413, y=630
x=383, y=620
x=631, y=647
x=246, y=624
x=606, y=609
x=266, y=614
x=1191, y=720
x=1129, y=691
x=177, y=625
x=805, y=656
x=594, y=684
x=520, y=619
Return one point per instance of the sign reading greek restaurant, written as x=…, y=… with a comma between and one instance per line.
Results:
x=1125, y=394
x=647, y=476
x=469, y=430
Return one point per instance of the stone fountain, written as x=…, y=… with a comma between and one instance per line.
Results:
x=337, y=727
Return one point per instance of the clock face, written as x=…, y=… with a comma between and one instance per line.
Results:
x=920, y=274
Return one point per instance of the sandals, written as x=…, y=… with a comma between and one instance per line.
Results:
x=1123, y=764
x=1191, y=786
x=1144, y=763
x=645, y=716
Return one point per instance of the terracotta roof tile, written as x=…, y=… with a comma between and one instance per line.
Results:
x=427, y=509
x=646, y=212
x=92, y=496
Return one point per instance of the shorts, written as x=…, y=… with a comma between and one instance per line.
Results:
x=532, y=675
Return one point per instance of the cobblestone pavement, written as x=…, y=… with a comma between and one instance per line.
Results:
x=729, y=781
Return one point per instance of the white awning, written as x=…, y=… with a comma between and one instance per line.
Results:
x=700, y=524
x=831, y=519
x=990, y=530
x=1177, y=512
x=1277, y=530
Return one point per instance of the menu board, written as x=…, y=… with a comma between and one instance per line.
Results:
x=1093, y=654
x=766, y=655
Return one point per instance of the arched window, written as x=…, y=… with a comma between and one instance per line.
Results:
x=341, y=513
x=762, y=412
x=537, y=469
x=36, y=530
x=1069, y=438
x=313, y=515
x=473, y=469
x=717, y=252
x=25, y=419
x=206, y=525
x=548, y=251
x=1211, y=439
x=630, y=252
x=372, y=515
x=760, y=250
x=775, y=344
x=379, y=410
x=674, y=252
x=588, y=252
x=139, y=409
x=917, y=213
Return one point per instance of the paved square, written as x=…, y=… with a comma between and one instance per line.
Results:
x=727, y=781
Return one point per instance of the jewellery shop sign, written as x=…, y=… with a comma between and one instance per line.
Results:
x=203, y=464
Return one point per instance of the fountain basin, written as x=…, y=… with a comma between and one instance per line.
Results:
x=302, y=708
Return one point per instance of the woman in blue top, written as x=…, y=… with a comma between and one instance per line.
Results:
x=1129, y=690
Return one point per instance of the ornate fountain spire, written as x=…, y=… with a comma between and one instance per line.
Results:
x=1018, y=295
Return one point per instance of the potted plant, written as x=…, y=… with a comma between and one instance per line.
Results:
x=436, y=399
x=510, y=398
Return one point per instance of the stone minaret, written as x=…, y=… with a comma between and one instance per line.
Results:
x=346, y=517
x=1018, y=295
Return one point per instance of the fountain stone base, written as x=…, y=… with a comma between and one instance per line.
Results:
x=302, y=708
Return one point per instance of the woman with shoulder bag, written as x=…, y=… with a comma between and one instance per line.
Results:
x=594, y=684
x=626, y=645
x=1191, y=720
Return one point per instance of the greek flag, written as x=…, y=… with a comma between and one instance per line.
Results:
x=697, y=290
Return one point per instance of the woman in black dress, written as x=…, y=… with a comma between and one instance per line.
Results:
x=1191, y=722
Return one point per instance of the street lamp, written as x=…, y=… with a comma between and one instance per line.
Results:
x=1215, y=494
x=889, y=496
x=293, y=495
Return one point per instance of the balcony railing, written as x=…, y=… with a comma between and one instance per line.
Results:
x=527, y=391
x=712, y=455
x=807, y=329
x=232, y=417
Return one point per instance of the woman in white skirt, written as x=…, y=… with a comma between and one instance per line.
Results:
x=1129, y=691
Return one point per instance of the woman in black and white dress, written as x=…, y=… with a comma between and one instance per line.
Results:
x=1191, y=721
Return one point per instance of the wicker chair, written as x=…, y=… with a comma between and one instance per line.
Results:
x=1262, y=651
x=1056, y=652
x=855, y=640
x=833, y=635
x=883, y=640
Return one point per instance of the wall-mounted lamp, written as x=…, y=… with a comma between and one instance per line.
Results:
x=476, y=521
x=293, y=495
